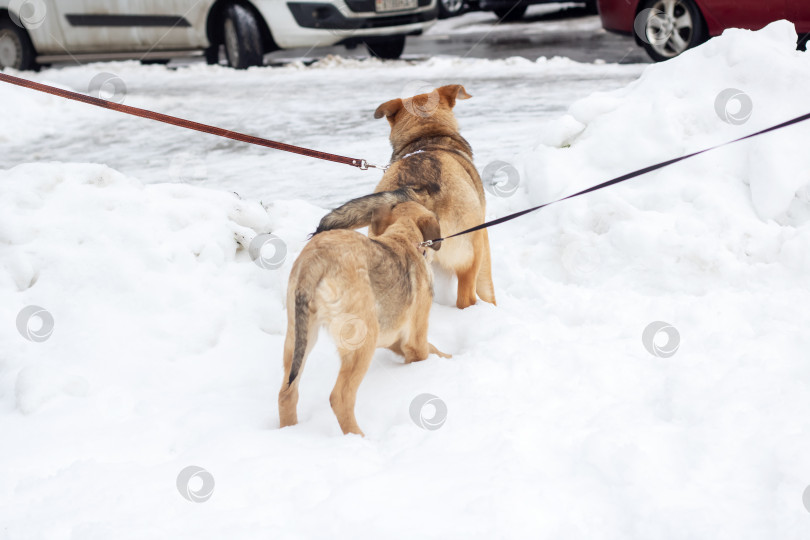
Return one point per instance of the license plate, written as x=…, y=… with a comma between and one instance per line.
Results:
x=394, y=5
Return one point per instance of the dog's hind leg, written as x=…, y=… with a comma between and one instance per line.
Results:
x=288, y=395
x=483, y=285
x=355, y=357
x=468, y=276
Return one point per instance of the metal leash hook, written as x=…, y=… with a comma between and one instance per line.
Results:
x=365, y=165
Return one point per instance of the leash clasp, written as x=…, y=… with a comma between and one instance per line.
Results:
x=426, y=243
x=365, y=165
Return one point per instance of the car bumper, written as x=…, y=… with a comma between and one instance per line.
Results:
x=329, y=17
x=329, y=22
x=618, y=15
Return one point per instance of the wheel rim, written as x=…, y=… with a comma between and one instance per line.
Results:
x=669, y=27
x=10, y=50
x=231, y=42
x=452, y=6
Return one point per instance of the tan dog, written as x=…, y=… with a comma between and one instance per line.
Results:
x=432, y=164
x=369, y=292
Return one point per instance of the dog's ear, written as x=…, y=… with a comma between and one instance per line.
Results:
x=381, y=219
x=452, y=92
x=388, y=109
x=429, y=226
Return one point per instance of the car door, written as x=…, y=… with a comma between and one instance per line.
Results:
x=132, y=25
x=751, y=14
x=173, y=24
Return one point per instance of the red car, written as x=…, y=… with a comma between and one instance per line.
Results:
x=666, y=28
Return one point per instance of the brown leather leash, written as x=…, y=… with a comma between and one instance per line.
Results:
x=188, y=124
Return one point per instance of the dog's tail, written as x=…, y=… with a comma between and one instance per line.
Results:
x=357, y=212
x=301, y=318
x=303, y=312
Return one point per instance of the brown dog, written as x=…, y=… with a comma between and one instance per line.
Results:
x=369, y=292
x=432, y=164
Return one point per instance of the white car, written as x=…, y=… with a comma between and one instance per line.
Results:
x=34, y=32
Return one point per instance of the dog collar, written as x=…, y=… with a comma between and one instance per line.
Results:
x=406, y=156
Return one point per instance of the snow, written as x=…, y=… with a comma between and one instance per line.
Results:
x=166, y=347
x=328, y=106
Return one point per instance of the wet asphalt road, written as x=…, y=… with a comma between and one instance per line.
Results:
x=551, y=38
x=566, y=30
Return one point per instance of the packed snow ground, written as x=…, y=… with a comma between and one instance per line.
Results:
x=328, y=106
x=166, y=347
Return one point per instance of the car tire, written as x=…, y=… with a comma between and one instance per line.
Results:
x=16, y=49
x=387, y=49
x=450, y=8
x=510, y=14
x=678, y=27
x=243, y=39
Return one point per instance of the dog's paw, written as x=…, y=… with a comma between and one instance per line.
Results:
x=437, y=352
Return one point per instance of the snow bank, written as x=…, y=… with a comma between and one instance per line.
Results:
x=166, y=344
x=720, y=215
x=121, y=266
x=671, y=110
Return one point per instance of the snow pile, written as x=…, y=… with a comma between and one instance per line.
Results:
x=120, y=266
x=166, y=346
x=672, y=110
x=718, y=215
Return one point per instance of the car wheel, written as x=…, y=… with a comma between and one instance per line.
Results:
x=450, y=8
x=389, y=49
x=670, y=28
x=243, y=39
x=510, y=14
x=16, y=49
